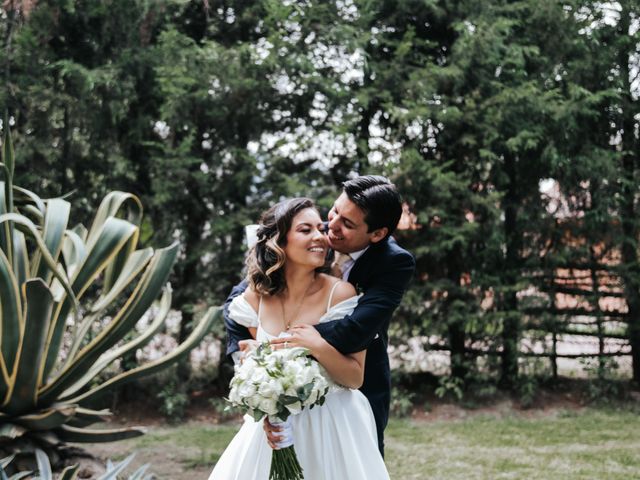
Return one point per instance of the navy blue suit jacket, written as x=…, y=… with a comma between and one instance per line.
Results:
x=382, y=274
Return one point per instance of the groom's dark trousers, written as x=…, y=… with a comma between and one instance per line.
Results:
x=382, y=274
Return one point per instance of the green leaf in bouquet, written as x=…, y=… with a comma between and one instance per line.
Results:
x=287, y=399
x=305, y=391
x=257, y=415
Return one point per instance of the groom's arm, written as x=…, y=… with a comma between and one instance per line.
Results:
x=356, y=331
x=235, y=331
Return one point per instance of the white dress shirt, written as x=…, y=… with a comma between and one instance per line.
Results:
x=347, y=266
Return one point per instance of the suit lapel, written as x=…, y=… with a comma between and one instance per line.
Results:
x=362, y=267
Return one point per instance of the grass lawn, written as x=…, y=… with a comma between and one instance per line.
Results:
x=564, y=444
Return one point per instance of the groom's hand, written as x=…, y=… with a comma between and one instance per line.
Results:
x=272, y=433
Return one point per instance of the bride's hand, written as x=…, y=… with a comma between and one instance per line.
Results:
x=301, y=336
x=247, y=346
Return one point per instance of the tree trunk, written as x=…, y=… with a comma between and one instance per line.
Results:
x=511, y=323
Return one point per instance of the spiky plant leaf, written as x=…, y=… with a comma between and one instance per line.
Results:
x=194, y=338
x=69, y=473
x=46, y=270
x=10, y=324
x=86, y=435
x=113, y=470
x=44, y=467
x=23, y=389
x=48, y=419
x=7, y=460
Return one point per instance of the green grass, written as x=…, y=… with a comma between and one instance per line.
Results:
x=591, y=444
x=594, y=444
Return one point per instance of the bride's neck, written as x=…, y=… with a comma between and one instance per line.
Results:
x=299, y=281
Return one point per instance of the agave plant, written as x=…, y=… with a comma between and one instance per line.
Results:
x=70, y=299
x=112, y=470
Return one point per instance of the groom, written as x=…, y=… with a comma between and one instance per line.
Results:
x=360, y=225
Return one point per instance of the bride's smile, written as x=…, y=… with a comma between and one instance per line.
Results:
x=306, y=244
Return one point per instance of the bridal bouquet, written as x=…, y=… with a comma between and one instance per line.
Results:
x=277, y=384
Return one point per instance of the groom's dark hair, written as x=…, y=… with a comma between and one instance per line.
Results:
x=378, y=198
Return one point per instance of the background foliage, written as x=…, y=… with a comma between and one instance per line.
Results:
x=510, y=127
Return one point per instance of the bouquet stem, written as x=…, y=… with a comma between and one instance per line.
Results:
x=285, y=465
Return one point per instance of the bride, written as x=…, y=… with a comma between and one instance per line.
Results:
x=288, y=293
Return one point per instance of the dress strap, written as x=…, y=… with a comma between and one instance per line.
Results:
x=333, y=289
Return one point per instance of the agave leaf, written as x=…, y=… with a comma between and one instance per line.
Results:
x=114, y=269
x=198, y=333
x=136, y=264
x=69, y=473
x=8, y=155
x=85, y=417
x=37, y=314
x=6, y=229
x=45, y=437
x=32, y=198
x=108, y=357
x=138, y=303
x=55, y=224
x=48, y=419
x=20, y=257
x=114, y=234
x=7, y=460
x=139, y=473
x=44, y=467
x=28, y=226
x=10, y=431
x=8, y=164
x=110, y=207
x=33, y=213
x=11, y=324
x=101, y=250
x=85, y=435
x=113, y=470
x=73, y=252
x=21, y=396
x=20, y=475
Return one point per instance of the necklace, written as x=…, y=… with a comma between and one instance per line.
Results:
x=287, y=323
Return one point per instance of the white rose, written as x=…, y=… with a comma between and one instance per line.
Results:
x=292, y=371
x=253, y=401
x=271, y=388
x=246, y=390
x=268, y=406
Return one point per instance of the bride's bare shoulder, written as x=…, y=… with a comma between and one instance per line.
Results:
x=341, y=290
x=252, y=298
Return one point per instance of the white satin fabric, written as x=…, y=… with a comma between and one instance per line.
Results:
x=336, y=441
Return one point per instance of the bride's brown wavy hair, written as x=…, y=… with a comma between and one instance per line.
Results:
x=265, y=262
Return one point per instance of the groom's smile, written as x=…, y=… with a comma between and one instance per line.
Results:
x=348, y=231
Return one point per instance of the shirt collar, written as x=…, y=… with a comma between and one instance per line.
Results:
x=356, y=255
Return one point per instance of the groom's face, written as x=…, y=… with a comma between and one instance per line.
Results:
x=347, y=231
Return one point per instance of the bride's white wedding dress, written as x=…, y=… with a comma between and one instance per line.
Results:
x=335, y=441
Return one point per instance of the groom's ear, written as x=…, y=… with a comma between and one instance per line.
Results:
x=378, y=234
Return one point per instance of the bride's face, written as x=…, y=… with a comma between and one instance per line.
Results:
x=306, y=244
